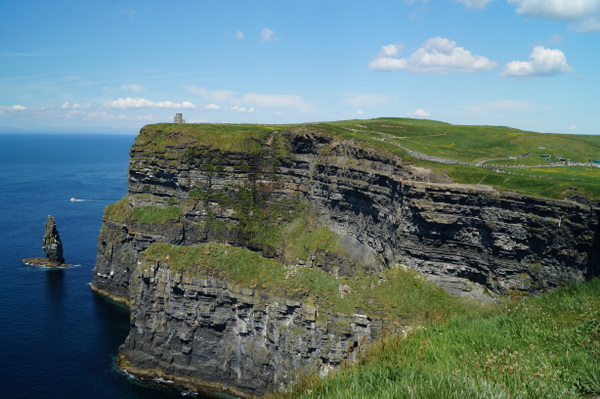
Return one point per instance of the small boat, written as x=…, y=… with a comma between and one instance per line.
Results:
x=73, y=199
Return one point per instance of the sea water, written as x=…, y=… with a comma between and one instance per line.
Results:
x=58, y=339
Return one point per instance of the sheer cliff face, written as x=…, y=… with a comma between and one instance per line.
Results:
x=210, y=334
x=185, y=190
x=384, y=212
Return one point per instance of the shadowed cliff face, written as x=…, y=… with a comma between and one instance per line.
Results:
x=209, y=334
x=375, y=210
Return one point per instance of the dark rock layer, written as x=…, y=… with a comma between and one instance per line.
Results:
x=472, y=240
x=52, y=247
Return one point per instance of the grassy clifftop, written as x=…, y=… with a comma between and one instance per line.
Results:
x=548, y=165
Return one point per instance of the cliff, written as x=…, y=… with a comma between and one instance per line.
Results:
x=307, y=197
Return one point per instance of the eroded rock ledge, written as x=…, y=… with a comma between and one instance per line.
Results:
x=307, y=198
x=209, y=334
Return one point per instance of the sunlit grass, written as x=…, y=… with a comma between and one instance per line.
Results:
x=491, y=145
x=397, y=294
x=543, y=347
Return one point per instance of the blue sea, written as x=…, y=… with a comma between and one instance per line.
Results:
x=57, y=338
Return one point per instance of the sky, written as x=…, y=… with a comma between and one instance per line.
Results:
x=116, y=65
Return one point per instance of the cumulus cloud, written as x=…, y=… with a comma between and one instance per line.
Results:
x=238, y=35
x=129, y=102
x=268, y=35
x=419, y=113
x=543, y=62
x=585, y=14
x=437, y=56
x=211, y=107
x=567, y=10
x=239, y=109
x=475, y=3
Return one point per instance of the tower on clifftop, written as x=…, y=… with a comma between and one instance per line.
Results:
x=178, y=118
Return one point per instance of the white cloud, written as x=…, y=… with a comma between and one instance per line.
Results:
x=211, y=107
x=419, y=113
x=391, y=50
x=360, y=112
x=573, y=127
x=268, y=35
x=544, y=62
x=437, y=56
x=13, y=108
x=568, y=10
x=585, y=14
x=128, y=103
x=67, y=105
x=238, y=35
x=5, y=108
x=239, y=109
x=132, y=87
x=475, y=3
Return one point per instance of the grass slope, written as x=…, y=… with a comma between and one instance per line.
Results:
x=397, y=294
x=538, y=347
x=501, y=146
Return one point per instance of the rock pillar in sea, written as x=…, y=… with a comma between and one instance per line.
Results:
x=51, y=245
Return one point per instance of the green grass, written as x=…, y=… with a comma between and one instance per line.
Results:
x=488, y=144
x=538, y=347
x=396, y=294
x=119, y=211
x=156, y=214
x=224, y=137
x=477, y=143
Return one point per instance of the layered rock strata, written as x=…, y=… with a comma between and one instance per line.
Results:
x=52, y=247
x=472, y=240
x=213, y=335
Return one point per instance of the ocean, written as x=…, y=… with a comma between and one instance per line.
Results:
x=58, y=339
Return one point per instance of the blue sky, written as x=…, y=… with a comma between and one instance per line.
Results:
x=120, y=64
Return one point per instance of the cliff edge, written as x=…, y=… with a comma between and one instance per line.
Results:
x=302, y=200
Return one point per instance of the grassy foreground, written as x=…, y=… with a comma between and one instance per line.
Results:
x=538, y=347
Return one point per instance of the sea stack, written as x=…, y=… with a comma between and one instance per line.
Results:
x=51, y=245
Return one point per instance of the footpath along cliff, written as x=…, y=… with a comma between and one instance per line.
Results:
x=231, y=239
